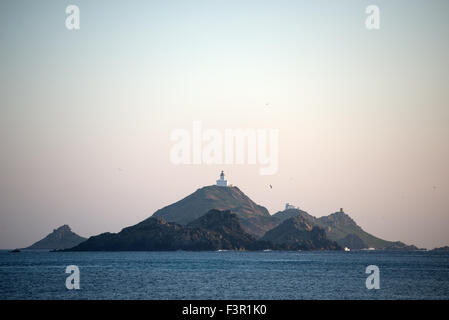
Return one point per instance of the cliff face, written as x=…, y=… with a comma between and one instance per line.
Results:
x=61, y=238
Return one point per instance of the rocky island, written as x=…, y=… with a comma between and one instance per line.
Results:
x=61, y=238
x=222, y=217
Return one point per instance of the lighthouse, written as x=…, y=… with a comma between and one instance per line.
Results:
x=222, y=182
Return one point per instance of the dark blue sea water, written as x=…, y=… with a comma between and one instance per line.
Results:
x=224, y=275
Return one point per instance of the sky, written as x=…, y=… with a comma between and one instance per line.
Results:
x=86, y=115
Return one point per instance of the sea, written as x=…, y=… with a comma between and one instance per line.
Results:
x=225, y=275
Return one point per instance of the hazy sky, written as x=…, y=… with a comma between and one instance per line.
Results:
x=86, y=115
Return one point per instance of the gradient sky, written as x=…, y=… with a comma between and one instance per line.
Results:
x=86, y=116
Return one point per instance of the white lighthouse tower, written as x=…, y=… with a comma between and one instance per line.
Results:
x=222, y=182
